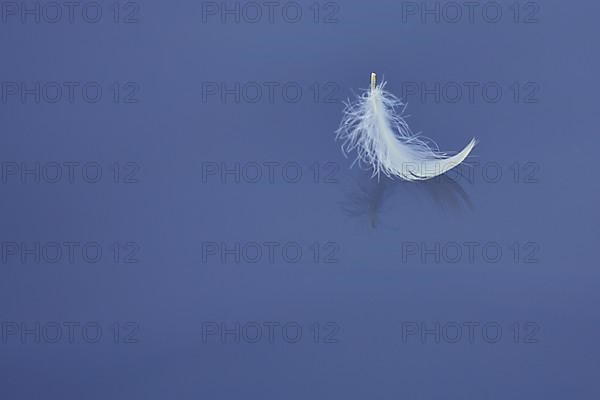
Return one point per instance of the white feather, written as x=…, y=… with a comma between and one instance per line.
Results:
x=375, y=129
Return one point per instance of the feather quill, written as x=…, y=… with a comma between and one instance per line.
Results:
x=373, y=127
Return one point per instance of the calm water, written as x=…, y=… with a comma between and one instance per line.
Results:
x=178, y=222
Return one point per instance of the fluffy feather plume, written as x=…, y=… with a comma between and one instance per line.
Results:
x=373, y=127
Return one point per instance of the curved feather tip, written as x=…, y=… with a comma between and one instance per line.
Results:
x=373, y=127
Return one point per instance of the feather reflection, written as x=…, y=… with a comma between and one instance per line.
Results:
x=370, y=198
